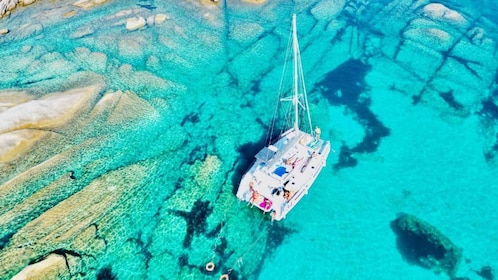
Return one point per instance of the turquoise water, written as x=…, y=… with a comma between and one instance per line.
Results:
x=141, y=186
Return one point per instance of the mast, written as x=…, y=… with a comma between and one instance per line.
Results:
x=295, y=98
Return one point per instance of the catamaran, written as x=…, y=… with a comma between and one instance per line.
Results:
x=285, y=169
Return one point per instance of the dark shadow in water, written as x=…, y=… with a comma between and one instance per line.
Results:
x=4, y=240
x=277, y=233
x=199, y=153
x=147, y=4
x=106, y=274
x=346, y=86
x=486, y=273
x=246, y=158
x=449, y=98
x=345, y=157
x=489, y=109
x=489, y=112
x=192, y=117
x=196, y=220
x=143, y=246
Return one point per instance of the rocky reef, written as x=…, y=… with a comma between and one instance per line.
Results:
x=422, y=244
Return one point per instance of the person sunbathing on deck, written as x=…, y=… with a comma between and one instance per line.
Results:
x=293, y=163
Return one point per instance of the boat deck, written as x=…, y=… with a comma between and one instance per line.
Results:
x=277, y=181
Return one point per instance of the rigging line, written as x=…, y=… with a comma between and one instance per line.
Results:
x=239, y=260
x=305, y=93
x=280, y=90
x=223, y=224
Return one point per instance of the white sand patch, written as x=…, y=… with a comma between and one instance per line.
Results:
x=51, y=111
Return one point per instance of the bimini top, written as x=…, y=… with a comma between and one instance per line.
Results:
x=266, y=154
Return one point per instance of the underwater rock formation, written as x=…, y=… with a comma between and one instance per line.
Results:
x=422, y=244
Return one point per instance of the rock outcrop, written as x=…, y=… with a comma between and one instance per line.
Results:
x=423, y=244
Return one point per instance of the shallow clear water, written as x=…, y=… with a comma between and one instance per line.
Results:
x=140, y=184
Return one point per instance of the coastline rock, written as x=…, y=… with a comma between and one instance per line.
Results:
x=52, y=267
x=424, y=245
x=51, y=111
x=6, y=6
x=135, y=23
x=10, y=99
x=84, y=4
x=26, y=2
x=16, y=143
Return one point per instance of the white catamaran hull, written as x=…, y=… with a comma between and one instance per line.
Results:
x=283, y=173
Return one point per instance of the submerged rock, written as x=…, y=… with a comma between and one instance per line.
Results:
x=422, y=244
x=440, y=12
